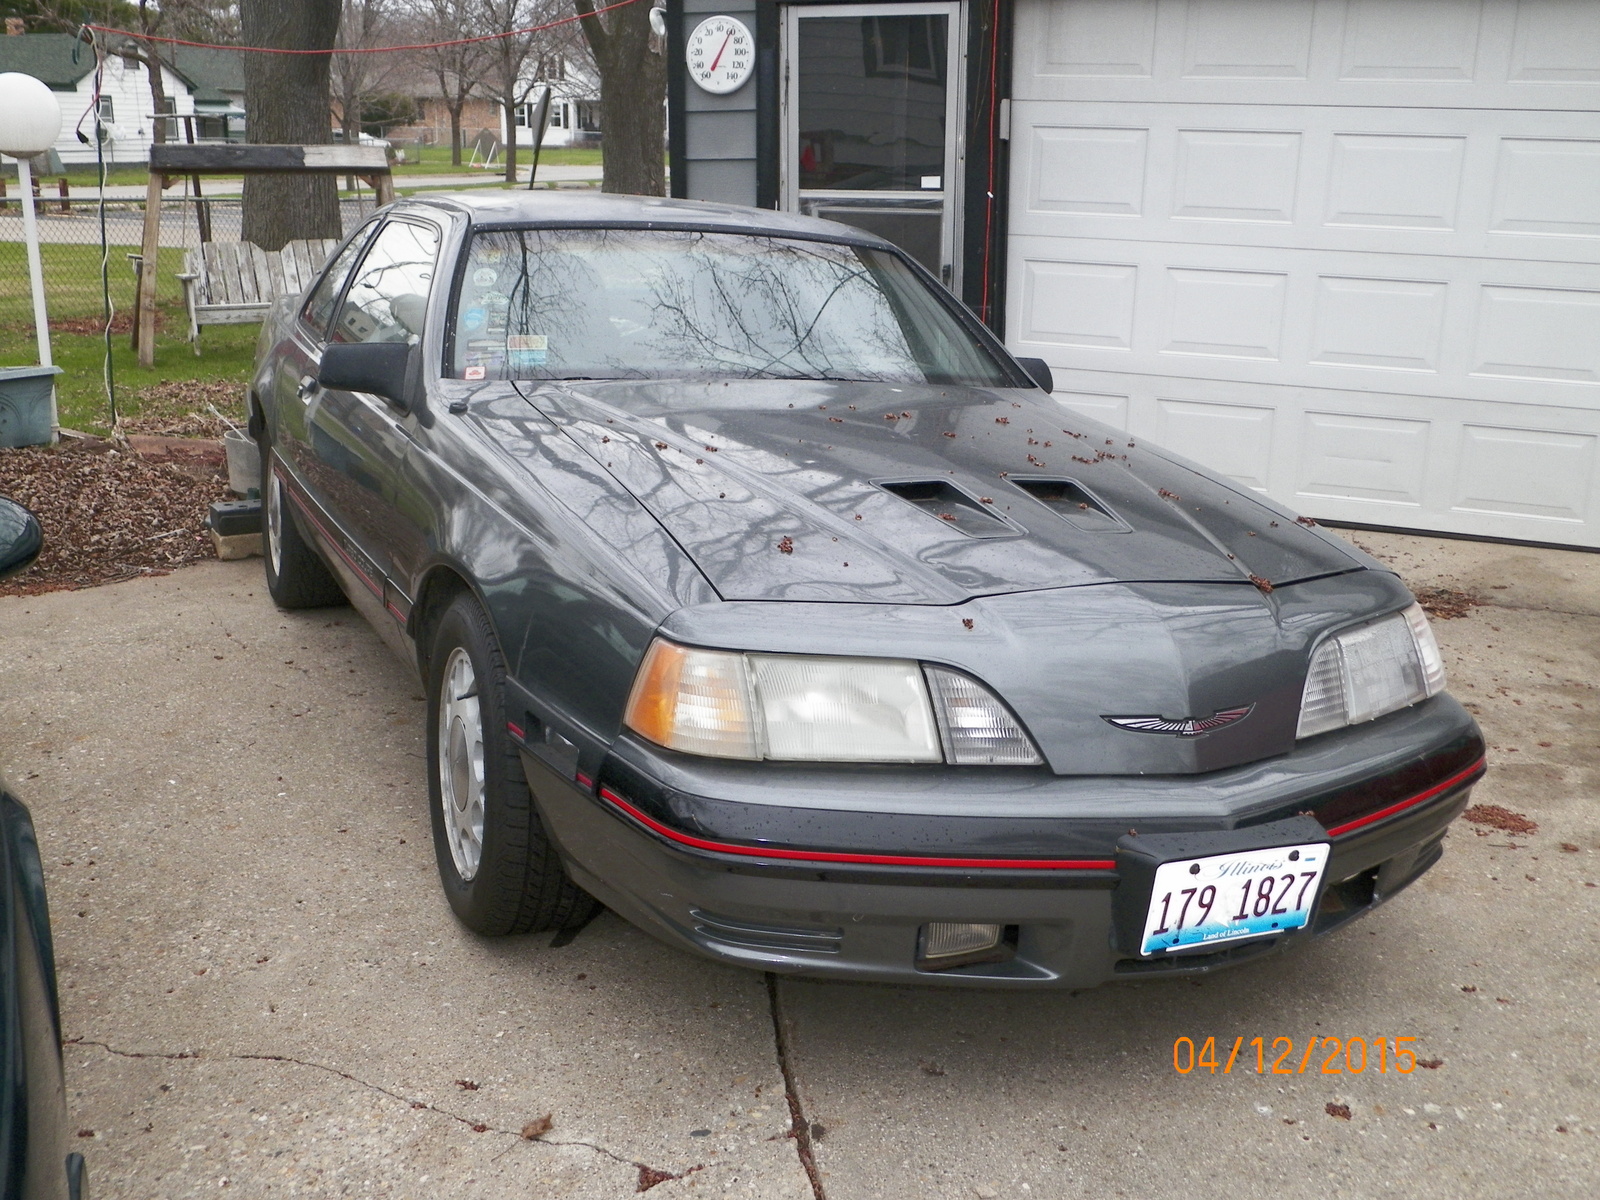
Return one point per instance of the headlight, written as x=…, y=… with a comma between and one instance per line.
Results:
x=1363, y=673
x=809, y=708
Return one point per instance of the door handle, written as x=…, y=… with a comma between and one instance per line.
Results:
x=308, y=384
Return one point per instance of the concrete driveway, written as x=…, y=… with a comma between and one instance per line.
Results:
x=264, y=991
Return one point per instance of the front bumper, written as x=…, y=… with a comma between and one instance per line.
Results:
x=833, y=872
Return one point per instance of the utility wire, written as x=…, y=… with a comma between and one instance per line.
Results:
x=487, y=37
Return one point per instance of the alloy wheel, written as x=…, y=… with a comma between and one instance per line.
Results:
x=461, y=762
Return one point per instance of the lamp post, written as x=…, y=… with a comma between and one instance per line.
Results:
x=33, y=119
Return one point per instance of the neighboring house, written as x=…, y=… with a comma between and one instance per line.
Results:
x=574, y=118
x=1346, y=251
x=126, y=109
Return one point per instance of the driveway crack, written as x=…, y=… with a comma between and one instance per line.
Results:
x=799, y=1127
x=648, y=1176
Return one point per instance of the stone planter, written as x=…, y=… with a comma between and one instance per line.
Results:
x=25, y=405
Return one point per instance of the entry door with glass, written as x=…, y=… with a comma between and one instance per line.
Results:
x=873, y=123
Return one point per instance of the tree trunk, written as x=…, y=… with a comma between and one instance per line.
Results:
x=158, y=94
x=509, y=107
x=455, y=134
x=633, y=94
x=286, y=97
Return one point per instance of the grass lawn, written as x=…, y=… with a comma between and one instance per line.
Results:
x=72, y=300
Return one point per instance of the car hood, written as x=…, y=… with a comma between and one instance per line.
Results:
x=919, y=494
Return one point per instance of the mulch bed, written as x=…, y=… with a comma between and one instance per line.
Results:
x=114, y=512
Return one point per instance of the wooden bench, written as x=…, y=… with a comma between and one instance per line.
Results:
x=235, y=283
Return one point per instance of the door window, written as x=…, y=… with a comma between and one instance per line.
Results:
x=319, y=308
x=873, y=106
x=387, y=300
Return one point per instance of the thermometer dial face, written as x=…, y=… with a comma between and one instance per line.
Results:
x=720, y=54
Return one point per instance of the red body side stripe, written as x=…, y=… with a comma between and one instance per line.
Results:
x=1421, y=797
x=877, y=860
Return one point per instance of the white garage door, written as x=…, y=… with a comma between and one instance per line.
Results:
x=1346, y=251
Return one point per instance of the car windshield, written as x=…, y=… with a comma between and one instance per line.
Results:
x=635, y=303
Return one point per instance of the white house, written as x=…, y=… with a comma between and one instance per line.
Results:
x=1345, y=251
x=574, y=118
x=126, y=109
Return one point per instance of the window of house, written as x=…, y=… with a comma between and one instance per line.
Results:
x=558, y=116
x=522, y=115
x=108, y=111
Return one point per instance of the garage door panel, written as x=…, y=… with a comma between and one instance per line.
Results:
x=1470, y=182
x=1512, y=331
x=1515, y=471
x=1345, y=251
x=1406, y=53
x=1554, y=42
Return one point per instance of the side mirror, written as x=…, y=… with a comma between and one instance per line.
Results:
x=21, y=539
x=381, y=368
x=1039, y=371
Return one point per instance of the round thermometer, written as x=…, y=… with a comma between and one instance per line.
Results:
x=720, y=54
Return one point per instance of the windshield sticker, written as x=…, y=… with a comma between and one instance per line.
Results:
x=472, y=320
x=485, y=276
x=472, y=373
x=528, y=341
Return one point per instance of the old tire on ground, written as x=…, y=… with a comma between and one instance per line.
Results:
x=497, y=865
x=296, y=576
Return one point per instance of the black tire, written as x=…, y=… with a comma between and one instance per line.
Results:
x=296, y=576
x=518, y=884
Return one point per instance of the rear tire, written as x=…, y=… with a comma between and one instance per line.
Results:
x=497, y=865
x=296, y=576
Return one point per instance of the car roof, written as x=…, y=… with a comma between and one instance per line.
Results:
x=496, y=207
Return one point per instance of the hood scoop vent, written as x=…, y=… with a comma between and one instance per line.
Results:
x=951, y=506
x=1075, y=503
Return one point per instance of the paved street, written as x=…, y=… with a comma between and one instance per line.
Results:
x=264, y=990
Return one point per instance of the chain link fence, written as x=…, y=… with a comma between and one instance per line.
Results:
x=70, y=252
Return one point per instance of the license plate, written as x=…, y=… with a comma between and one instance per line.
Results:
x=1232, y=897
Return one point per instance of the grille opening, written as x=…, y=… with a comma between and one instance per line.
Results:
x=1075, y=503
x=951, y=506
x=756, y=935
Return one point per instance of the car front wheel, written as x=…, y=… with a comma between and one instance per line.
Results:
x=296, y=577
x=498, y=867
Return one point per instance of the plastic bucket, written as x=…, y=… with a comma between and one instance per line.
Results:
x=25, y=405
x=244, y=461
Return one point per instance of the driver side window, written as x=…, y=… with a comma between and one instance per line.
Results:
x=387, y=300
x=320, y=306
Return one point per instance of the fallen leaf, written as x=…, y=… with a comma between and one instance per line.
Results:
x=1342, y=1111
x=1431, y=1064
x=466, y=1085
x=786, y=545
x=538, y=1127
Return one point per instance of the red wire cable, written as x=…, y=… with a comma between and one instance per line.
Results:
x=488, y=37
x=994, y=138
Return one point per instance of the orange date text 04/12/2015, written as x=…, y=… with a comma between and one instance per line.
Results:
x=1286, y=1056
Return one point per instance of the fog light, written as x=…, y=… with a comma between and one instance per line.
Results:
x=944, y=940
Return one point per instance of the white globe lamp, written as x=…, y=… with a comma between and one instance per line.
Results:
x=33, y=120
x=33, y=116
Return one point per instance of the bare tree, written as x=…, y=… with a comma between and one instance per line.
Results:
x=633, y=97
x=287, y=98
x=518, y=64
x=456, y=68
x=354, y=77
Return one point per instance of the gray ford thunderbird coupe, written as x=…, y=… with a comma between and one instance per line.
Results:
x=761, y=596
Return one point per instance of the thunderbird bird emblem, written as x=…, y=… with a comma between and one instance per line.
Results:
x=1188, y=727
